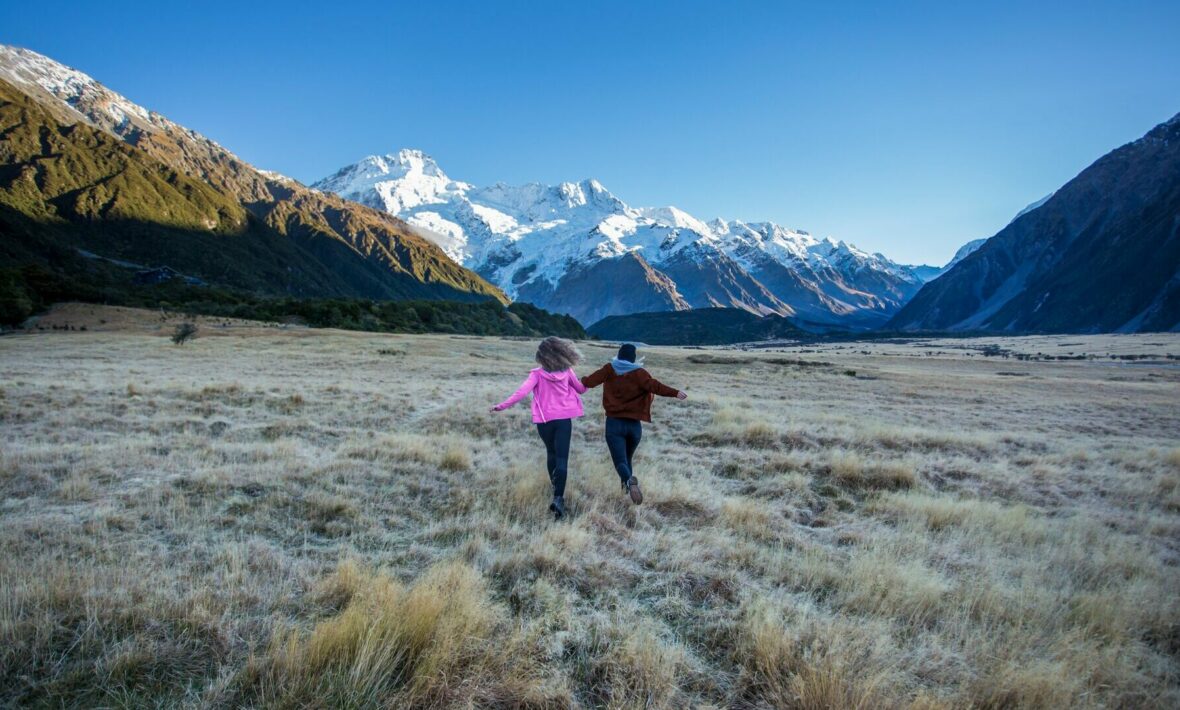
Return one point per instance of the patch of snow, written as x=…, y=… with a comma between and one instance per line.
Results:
x=1031, y=207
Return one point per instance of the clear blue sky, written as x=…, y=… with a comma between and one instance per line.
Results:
x=905, y=128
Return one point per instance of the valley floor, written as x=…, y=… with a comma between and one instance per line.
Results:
x=310, y=518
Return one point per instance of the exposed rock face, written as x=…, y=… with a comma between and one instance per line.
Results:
x=623, y=284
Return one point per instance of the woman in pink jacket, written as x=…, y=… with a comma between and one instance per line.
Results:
x=556, y=394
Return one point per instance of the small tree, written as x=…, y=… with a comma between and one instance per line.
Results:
x=16, y=304
x=184, y=332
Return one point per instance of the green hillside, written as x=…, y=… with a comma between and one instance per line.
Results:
x=65, y=187
x=81, y=211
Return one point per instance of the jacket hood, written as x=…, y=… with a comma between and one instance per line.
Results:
x=622, y=367
x=552, y=376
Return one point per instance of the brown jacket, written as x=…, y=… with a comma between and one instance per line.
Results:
x=627, y=396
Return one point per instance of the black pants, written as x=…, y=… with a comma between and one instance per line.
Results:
x=622, y=438
x=556, y=435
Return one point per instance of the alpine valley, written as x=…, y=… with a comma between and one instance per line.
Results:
x=94, y=186
x=576, y=248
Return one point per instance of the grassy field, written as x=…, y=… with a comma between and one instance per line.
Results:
x=294, y=518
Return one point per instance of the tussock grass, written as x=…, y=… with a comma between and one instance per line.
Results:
x=849, y=469
x=883, y=581
x=455, y=458
x=1005, y=524
x=734, y=426
x=631, y=665
x=793, y=659
x=927, y=440
x=749, y=517
x=279, y=521
x=429, y=644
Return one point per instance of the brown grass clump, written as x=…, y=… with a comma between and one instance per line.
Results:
x=882, y=581
x=807, y=663
x=455, y=458
x=433, y=643
x=329, y=514
x=849, y=469
x=732, y=426
x=749, y=517
x=633, y=667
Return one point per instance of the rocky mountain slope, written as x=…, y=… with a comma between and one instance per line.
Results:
x=84, y=167
x=1101, y=254
x=577, y=248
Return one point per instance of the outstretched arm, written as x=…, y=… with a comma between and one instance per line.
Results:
x=654, y=386
x=576, y=383
x=525, y=387
x=596, y=378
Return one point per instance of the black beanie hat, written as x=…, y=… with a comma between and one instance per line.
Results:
x=627, y=352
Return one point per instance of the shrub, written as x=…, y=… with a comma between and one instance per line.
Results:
x=15, y=302
x=184, y=333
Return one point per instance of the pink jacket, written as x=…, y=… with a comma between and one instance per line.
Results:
x=555, y=395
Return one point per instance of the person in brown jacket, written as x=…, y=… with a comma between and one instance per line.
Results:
x=627, y=393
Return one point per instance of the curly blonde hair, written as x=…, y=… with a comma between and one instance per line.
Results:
x=556, y=354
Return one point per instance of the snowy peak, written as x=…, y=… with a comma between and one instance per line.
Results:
x=675, y=217
x=535, y=241
x=587, y=192
x=964, y=251
x=394, y=182
x=399, y=165
x=331, y=248
x=29, y=70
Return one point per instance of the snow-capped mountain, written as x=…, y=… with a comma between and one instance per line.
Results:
x=577, y=248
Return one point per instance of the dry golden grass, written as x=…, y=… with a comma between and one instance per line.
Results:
x=292, y=518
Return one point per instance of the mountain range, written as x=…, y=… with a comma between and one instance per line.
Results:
x=89, y=179
x=83, y=170
x=576, y=248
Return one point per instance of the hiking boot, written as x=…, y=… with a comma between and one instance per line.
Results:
x=557, y=507
x=633, y=490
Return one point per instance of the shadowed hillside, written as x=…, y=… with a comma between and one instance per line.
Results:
x=1102, y=254
x=701, y=326
x=167, y=196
